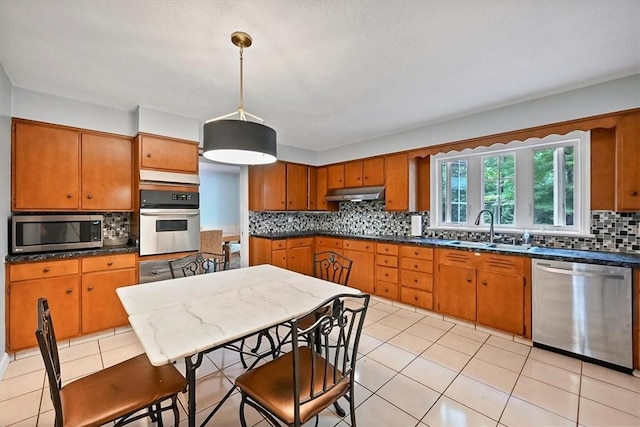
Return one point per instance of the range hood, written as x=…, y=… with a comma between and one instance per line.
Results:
x=355, y=194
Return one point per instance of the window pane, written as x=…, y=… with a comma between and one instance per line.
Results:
x=554, y=186
x=459, y=191
x=499, y=187
x=443, y=192
x=569, y=173
x=543, y=178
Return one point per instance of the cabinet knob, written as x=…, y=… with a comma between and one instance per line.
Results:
x=89, y=196
x=386, y=249
x=386, y=274
x=90, y=288
x=415, y=280
x=69, y=196
x=110, y=263
x=415, y=298
x=484, y=282
x=386, y=262
x=469, y=279
x=634, y=193
x=415, y=266
x=415, y=253
x=148, y=154
x=46, y=270
x=366, y=247
x=69, y=290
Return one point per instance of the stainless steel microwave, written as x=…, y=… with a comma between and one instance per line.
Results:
x=44, y=233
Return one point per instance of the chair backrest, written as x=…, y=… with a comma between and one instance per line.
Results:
x=332, y=266
x=211, y=241
x=49, y=349
x=333, y=341
x=198, y=263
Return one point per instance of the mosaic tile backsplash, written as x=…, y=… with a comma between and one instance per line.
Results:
x=116, y=224
x=613, y=231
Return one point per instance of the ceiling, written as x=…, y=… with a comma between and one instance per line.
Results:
x=322, y=73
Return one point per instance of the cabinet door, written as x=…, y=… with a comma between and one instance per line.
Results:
x=397, y=182
x=456, y=291
x=312, y=188
x=501, y=301
x=107, y=173
x=259, y=251
x=296, y=187
x=255, y=188
x=300, y=260
x=168, y=154
x=322, y=187
x=101, y=307
x=279, y=258
x=353, y=174
x=335, y=176
x=373, y=172
x=45, y=168
x=627, y=170
x=274, y=186
x=362, y=270
x=62, y=294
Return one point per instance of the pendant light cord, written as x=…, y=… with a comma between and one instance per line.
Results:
x=241, y=108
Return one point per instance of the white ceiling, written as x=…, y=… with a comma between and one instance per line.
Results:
x=322, y=73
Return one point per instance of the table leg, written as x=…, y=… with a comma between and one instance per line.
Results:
x=190, y=368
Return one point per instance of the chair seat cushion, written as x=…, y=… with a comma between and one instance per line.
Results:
x=271, y=386
x=117, y=391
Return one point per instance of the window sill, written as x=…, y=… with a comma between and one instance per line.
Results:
x=531, y=231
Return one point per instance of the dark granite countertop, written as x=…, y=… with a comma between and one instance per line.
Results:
x=571, y=255
x=43, y=256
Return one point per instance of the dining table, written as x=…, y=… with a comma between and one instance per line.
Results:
x=187, y=317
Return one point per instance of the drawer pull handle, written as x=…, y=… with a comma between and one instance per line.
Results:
x=415, y=280
x=415, y=253
x=484, y=282
x=415, y=298
x=46, y=270
x=110, y=263
x=634, y=193
x=69, y=290
x=415, y=265
x=386, y=275
x=90, y=288
x=386, y=249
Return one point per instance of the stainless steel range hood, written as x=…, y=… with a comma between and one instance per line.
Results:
x=355, y=194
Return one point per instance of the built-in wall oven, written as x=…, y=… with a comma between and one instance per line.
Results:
x=169, y=221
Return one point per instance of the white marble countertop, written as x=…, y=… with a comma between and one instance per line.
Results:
x=177, y=318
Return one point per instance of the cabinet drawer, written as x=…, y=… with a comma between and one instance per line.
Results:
x=417, y=280
x=386, y=249
x=329, y=242
x=110, y=262
x=358, y=245
x=387, y=274
x=457, y=257
x=41, y=270
x=387, y=260
x=416, y=252
x=387, y=290
x=299, y=242
x=278, y=244
x=501, y=263
x=415, y=297
x=416, y=265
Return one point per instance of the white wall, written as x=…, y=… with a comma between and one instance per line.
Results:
x=219, y=200
x=166, y=124
x=5, y=201
x=615, y=95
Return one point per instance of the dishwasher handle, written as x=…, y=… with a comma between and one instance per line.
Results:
x=547, y=267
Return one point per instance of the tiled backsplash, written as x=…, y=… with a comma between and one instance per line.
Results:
x=614, y=231
x=116, y=224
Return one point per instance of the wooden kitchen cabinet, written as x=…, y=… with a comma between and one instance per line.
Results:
x=416, y=276
x=627, y=157
x=58, y=281
x=362, y=270
x=279, y=186
x=322, y=186
x=259, y=251
x=101, y=276
x=255, y=188
x=373, y=171
x=107, y=173
x=457, y=291
x=312, y=188
x=296, y=187
x=168, y=154
x=274, y=186
x=386, y=284
x=353, y=174
x=397, y=182
x=45, y=167
x=335, y=176
x=300, y=255
x=500, y=301
x=326, y=244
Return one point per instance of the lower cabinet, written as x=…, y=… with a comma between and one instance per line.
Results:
x=386, y=270
x=416, y=276
x=362, y=269
x=81, y=295
x=300, y=255
x=457, y=291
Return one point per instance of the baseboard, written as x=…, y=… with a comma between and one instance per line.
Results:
x=4, y=364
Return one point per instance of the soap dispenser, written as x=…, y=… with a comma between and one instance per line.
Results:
x=526, y=238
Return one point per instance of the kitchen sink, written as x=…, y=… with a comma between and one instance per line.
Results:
x=488, y=245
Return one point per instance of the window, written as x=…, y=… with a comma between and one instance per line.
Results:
x=539, y=184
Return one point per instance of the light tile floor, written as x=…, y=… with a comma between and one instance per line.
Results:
x=415, y=370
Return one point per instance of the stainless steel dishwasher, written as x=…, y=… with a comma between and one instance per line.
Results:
x=583, y=309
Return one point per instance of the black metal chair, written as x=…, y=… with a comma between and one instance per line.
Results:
x=298, y=385
x=117, y=393
x=198, y=263
x=332, y=266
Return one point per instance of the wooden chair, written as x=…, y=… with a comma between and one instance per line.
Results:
x=113, y=394
x=211, y=241
x=298, y=385
x=198, y=263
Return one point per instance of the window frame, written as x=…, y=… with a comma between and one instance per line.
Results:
x=524, y=188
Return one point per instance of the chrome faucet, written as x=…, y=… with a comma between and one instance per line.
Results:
x=492, y=234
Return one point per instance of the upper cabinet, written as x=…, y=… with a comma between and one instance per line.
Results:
x=322, y=177
x=364, y=173
x=627, y=170
x=397, y=183
x=335, y=176
x=167, y=154
x=62, y=169
x=279, y=186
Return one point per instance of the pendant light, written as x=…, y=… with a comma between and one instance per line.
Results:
x=239, y=141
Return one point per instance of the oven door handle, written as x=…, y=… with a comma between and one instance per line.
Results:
x=158, y=212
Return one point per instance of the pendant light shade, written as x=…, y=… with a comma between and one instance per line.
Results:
x=240, y=142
